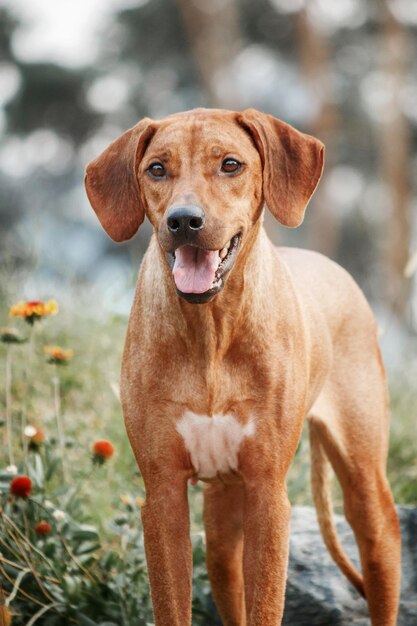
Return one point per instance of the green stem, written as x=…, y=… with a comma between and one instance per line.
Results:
x=9, y=430
x=25, y=400
x=15, y=565
x=23, y=593
x=65, y=545
x=17, y=536
x=41, y=612
x=16, y=585
x=59, y=423
x=26, y=558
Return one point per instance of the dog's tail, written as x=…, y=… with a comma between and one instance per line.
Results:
x=320, y=481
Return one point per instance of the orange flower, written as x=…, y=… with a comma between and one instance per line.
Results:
x=35, y=436
x=102, y=451
x=42, y=528
x=21, y=486
x=34, y=310
x=129, y=501
x=57, y=355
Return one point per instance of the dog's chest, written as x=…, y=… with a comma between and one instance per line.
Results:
x=213, y=443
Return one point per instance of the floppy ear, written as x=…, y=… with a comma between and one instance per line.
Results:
x=292, y=164
x=112, y=184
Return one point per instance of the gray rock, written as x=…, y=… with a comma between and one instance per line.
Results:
x=317, y=592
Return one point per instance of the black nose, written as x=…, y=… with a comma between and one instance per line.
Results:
x=185, y=221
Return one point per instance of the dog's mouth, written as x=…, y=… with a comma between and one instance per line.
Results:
x=199, y=273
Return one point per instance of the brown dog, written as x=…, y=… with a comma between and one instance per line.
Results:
x=231, y=343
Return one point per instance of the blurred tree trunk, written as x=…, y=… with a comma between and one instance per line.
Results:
x=314, y=64
x=394, y=155
x=214, y=34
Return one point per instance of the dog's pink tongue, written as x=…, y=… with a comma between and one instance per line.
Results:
x=194, y=269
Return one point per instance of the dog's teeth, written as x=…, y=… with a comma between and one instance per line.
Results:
x=223, y=253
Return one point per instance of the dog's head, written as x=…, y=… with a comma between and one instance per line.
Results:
x=202, y=178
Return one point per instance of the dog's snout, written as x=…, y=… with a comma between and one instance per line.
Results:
x=185, y=220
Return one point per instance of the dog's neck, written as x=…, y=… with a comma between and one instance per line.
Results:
x=241, y=307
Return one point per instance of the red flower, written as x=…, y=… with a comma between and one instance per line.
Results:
x=21, y=486
x=42, y=528
x=102, y=451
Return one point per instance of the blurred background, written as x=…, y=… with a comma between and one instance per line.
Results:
x=73, y=76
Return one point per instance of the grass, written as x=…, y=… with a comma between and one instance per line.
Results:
x=90, y=406
x=402, y=462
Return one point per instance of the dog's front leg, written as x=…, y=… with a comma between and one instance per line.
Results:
x=264, y=463
x=265, y=556
x=165, y=468
x=165, y=518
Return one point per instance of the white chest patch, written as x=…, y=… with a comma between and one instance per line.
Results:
x=213, y=442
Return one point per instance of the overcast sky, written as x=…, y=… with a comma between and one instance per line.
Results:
x=62, y=31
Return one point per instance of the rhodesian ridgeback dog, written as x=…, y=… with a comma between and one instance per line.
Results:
x=231, y=344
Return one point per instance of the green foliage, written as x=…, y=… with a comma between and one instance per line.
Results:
x=74, y=574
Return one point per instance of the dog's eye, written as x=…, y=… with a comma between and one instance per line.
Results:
x=230, y=166
x=156, y=170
